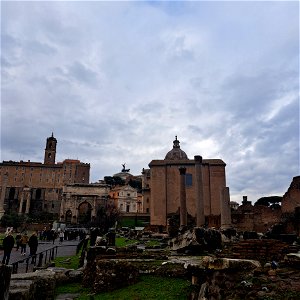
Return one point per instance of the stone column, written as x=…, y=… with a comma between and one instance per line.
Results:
x=21, y=203
x=225, y=209
x=76, y=211
x=93, y=213
x=62, y=209
x=3, y=192
x=183, y=211
x=27, y=200
x=200, y=218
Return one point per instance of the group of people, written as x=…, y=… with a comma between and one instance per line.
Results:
x=21, y=242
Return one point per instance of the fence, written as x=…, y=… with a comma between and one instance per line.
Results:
x=38, y=260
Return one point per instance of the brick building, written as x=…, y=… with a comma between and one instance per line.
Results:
x=33, y=187
x=195, y=187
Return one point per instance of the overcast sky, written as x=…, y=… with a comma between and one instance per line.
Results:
x=116, y=81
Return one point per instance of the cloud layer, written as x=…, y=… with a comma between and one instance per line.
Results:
x=116, y=81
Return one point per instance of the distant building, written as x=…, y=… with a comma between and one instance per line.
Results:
x=126, y=199
x=199, y=184
x=33, y=187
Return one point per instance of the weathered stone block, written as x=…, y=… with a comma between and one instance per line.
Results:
x=5, y=274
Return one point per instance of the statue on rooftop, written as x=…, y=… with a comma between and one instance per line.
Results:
x=124, y=168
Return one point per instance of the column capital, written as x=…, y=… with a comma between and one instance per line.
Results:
x=198, y=159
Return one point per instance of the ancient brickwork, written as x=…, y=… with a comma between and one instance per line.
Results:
x=255, y=218
x=291, y=199
x=262, y=250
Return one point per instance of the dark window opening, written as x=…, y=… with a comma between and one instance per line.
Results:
x=38, y=194
x=188, y=179
x=12, y=192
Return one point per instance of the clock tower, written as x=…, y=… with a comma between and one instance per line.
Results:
x=50, y=150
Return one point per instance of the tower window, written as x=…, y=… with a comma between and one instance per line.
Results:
x=49, y=155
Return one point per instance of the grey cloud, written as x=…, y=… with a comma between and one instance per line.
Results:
x=35, y=47
x=82, y=74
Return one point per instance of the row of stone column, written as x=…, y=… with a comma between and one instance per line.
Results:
x=199, y=196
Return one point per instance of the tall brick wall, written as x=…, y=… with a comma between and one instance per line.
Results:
x=291, y=199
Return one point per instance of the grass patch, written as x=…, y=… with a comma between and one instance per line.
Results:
x=69, y=262
x=149, y=287
x=130, y=222
x=123, y=242
x=152, y=243
x=71, y=288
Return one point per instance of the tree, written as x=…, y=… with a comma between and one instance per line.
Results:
x=12, y=220
x=271, y=201
x=135, y=183
x=113, y=181
x=106, y=217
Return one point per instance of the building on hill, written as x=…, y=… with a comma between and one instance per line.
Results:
x=179, y=185
x=34, y=187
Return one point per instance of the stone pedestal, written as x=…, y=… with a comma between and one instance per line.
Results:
x=225, y=209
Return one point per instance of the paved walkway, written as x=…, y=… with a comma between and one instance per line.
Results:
x=67, y=248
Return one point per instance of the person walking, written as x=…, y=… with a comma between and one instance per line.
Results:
x=24, y=241
x=18, y=241
x=8, y=244
x=61, y=237
x=33, y=245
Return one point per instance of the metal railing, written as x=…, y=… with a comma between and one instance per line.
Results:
x=39, y=260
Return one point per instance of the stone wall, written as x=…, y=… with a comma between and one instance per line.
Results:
x=291, y=199
x=255, y=218
x=263, y=250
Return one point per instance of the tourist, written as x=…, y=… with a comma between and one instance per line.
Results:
x=53, y=235
x=18, y=241
x=61, y=236
x=8, y=244
x=33, y=245
x=24, y=241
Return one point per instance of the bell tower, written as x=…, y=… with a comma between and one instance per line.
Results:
x=50, y=150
